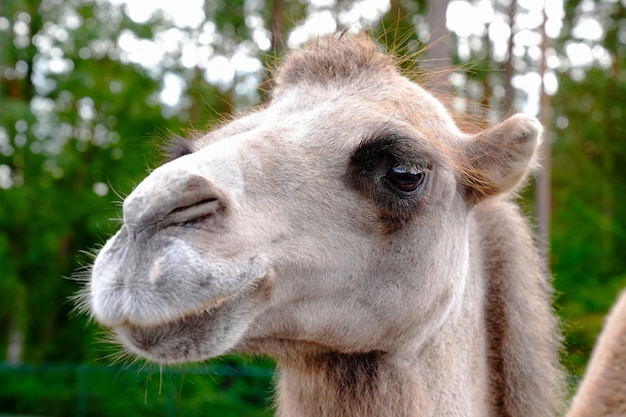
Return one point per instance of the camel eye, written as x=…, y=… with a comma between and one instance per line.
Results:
x=404, y=180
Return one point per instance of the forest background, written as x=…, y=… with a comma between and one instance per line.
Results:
x=89, y=88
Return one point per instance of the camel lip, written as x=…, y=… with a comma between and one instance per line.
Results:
x=201, y=311
x=130, y=320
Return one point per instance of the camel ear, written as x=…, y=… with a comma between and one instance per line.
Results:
x=499, y=159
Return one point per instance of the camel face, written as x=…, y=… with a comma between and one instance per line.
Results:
x=337, y=217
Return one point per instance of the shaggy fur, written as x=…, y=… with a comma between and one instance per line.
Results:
x=350, y=230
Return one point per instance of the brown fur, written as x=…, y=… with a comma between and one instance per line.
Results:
x=355, y=384
x=518, y=293
x=326, y=62
x=602, y=392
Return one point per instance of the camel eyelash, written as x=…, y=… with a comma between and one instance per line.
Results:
x=378, y=155
x=176, y=147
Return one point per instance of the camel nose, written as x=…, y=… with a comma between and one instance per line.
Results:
x=171, y=195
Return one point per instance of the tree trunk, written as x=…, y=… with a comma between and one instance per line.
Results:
x=438, y=50
x=542, y=190
x=509, y=92
x=276, y=26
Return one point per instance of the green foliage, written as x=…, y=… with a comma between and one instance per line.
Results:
x=58, y=390
x=589, y=215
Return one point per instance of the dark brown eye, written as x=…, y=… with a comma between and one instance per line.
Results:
x=405, y=180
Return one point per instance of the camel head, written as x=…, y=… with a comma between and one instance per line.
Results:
x=335, y=217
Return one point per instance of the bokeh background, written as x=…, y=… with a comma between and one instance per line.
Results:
x=89, y=88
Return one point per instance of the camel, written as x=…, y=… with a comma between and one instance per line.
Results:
x=602, y=392
x=353, y=232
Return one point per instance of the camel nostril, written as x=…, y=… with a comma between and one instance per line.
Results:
x=170, y=197
x=192, y=212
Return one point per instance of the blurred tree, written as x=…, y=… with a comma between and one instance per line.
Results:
x=589, y=182
x=58, y=134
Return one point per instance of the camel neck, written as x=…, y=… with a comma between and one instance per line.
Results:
x=439, y=380
x=335, y=384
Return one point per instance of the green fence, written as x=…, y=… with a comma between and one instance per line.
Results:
x=87, y=390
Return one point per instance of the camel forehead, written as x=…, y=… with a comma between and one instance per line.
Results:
x=330, y=130
x=352, y=76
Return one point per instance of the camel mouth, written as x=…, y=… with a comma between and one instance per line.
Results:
x=197, y=334
x=202, y=312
